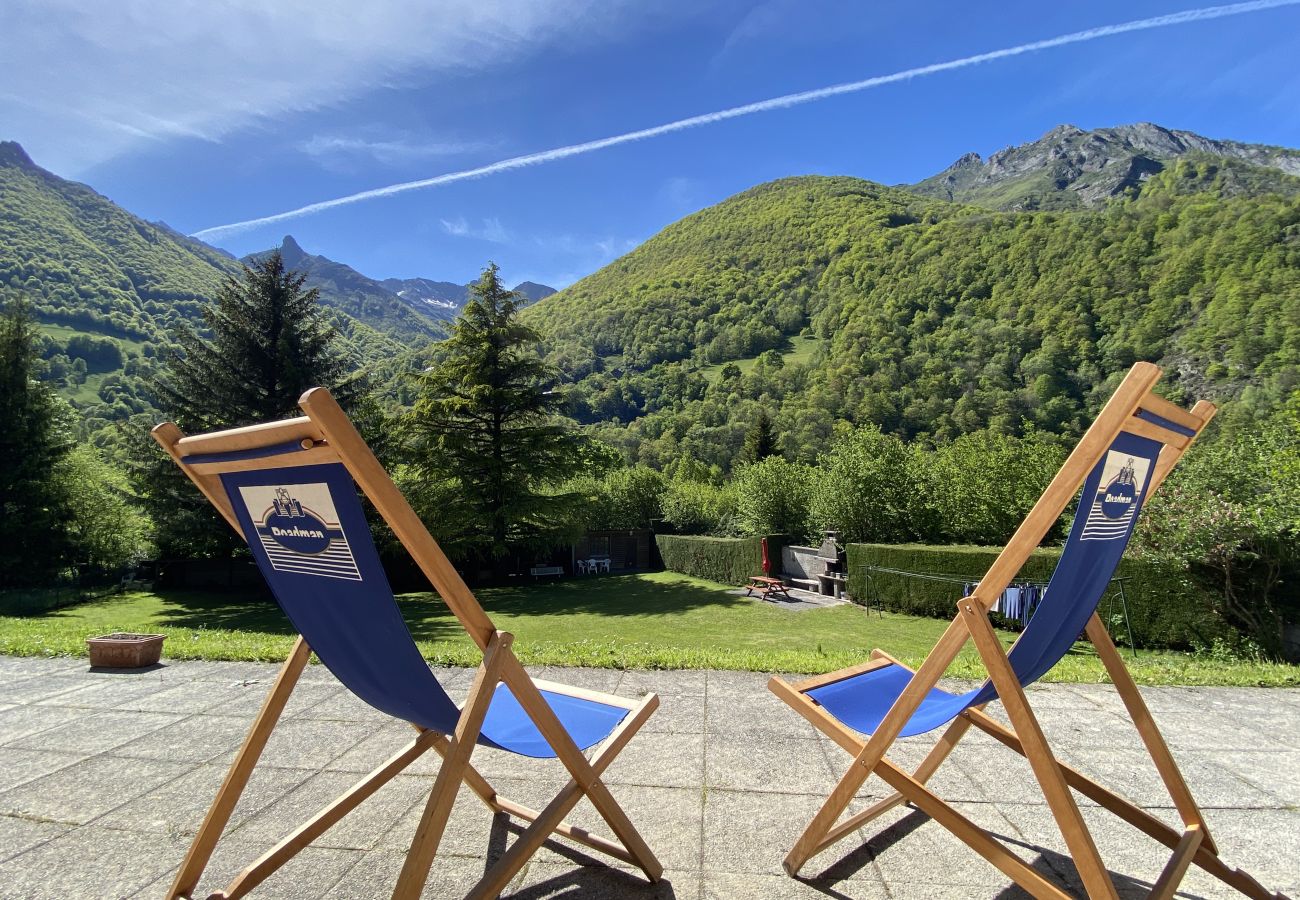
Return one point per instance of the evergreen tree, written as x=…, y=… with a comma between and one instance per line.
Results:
x=36, y=436
x=489, y=434
x=265, y=342
x=760, y=440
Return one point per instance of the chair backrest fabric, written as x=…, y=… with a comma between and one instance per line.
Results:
x=309, y=535
x=1112, y=498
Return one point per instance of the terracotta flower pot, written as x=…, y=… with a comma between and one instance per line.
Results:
x=124, y=650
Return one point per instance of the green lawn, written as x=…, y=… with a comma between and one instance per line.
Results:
x=661, y=620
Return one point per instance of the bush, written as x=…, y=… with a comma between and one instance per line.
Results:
x=625, y=498
x=699, y=507
x=1230, y=513
x=978, y=488
x=772, y=497
x=863, y=488
x=1166, y=608
x=725, y=560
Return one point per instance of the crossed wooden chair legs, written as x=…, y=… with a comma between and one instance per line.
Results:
x=499, y=665
x=1193, y=845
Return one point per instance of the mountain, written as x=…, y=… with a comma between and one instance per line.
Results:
x=440, y=299
x=1069, y=168
x=411, y=310
x=88, y=264
x=109, y=289
x=825, y=300
x=533, y=291
x=362, y=298
x=443, y=300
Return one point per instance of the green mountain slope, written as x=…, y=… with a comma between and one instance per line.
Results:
x=109, y=288
x=362, y=298
x=930, y=318
x=1069, y=168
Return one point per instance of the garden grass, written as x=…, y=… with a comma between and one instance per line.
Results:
x=653, y=621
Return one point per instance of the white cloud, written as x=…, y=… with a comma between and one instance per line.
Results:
x=84, y=82
x=492, y=230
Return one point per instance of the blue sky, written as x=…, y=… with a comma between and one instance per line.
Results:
x=208, y=114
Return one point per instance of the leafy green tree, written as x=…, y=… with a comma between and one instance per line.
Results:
x=1231, y=512
x=488, y=420
x=35, y=439
x=863, y=490
x=265, y=342
x=978, y=488
x=772, y=497
x=106, y=528
x=625, y=498
x=700, y=507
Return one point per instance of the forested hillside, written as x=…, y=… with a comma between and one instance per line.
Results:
x=929, y=318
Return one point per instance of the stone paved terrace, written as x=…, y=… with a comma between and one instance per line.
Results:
x=105, y=775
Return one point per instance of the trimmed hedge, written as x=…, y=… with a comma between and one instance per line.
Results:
x=725, y=560
x=1166, y=608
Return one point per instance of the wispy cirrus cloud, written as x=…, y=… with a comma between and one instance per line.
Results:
x=84, y=82
x=491, y=230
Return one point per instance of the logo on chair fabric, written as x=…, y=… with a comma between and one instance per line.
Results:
x=298, y=527
x=1115, y=504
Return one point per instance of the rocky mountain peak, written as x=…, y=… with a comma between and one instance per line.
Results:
x=1069, y=167
x=13, y=154
x=291, y=249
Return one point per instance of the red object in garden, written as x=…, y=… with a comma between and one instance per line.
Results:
x=767, y=563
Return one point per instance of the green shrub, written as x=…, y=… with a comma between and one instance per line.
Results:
x=772, y=496
x=699, y=507
x=725, y=560
x=1166, y=608
x=863, y=488
x=979, y=487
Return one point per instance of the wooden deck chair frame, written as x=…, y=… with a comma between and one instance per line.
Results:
x=326, y=435
x=1193, y=845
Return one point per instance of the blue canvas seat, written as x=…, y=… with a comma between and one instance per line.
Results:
x=1122, y=459
x=291, y=490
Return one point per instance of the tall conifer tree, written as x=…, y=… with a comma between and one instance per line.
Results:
x=35, y=436
x=760, y=440
x=265, y=341
x=489, y=434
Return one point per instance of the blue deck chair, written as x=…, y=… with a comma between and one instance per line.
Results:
x=290, y=489
x=1130, y=448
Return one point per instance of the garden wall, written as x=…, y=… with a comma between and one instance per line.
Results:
x=1166, y=608
x=726, y=560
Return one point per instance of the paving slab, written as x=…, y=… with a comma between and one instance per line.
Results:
x=105, y=776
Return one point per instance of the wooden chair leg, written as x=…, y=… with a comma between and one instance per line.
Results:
x=551, y=818
x=1132, y=814
x=428, y=834
x=205, y=841
x=1096, y=879
x=290, y=846
x=1164, y=761
x=945, y=650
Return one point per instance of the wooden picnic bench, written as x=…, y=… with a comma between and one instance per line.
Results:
x=767, y=587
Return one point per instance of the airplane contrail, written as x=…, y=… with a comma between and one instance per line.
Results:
x=783, y=102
